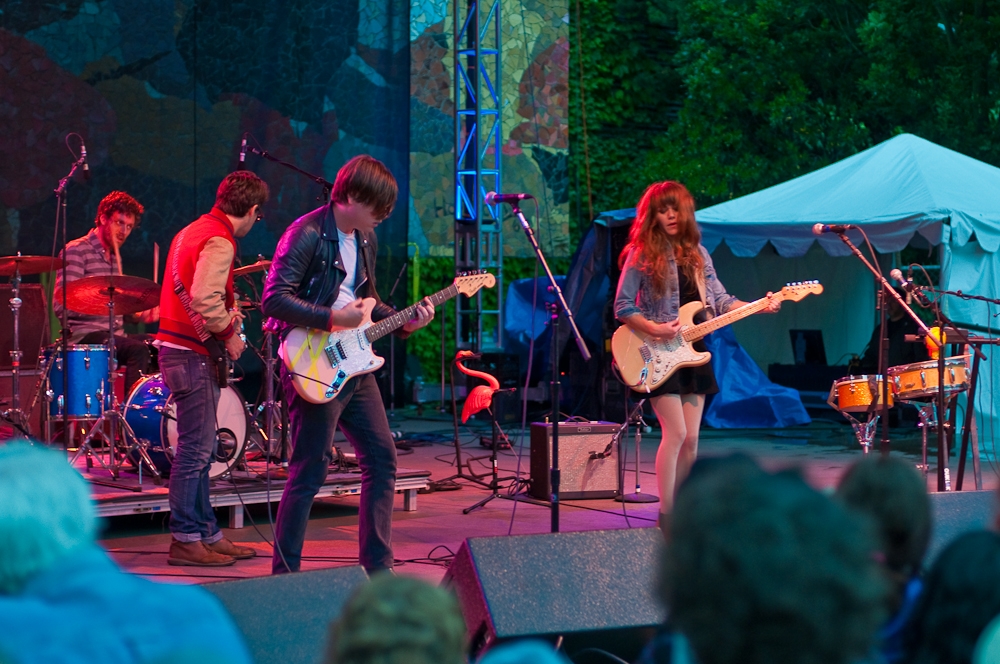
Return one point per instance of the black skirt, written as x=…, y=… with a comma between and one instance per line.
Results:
x=689, y=380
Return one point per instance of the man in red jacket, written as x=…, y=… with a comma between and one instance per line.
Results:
x=196, y=303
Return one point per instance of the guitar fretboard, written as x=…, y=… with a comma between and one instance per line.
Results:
x=400, y=318
x=704, y=329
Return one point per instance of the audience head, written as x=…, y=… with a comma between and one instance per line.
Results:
x=894, y=495
x=45, y=512
x=787, y=573
x=527, y=651
x=398, y=620
x=961, y=596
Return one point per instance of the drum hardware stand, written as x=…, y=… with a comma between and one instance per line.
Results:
x=114, y=417
x=14, y=414
x=635, y=417
x=943, y=482
x=887, y=290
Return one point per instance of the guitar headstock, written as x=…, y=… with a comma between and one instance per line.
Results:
x=797, y=290
x=469, y=284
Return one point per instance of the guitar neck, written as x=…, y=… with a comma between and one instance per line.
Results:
x=400, y=318
x=704, y=329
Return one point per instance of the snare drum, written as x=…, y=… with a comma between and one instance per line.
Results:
x=919, y=381
x=854, y=394
x=152, y=415
x=87, y=368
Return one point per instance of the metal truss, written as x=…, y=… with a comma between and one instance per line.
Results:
x=478, y=237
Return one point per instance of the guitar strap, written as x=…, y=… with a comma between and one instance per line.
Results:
x=216, y=349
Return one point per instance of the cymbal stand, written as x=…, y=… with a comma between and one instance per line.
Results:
x=114, y=418
x=14, y=414
x=494, y=485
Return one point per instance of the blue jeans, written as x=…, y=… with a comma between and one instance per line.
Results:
x=361, y=415
x=194, y=389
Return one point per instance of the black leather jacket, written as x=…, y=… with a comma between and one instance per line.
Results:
x=306, y=274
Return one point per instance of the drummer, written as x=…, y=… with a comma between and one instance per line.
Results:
x=900, y=351
x=98, y=254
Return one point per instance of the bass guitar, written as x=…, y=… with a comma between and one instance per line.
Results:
x=644, y=362
x=322, y=362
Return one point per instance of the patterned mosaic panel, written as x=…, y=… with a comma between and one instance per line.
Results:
x=535, y=125
x=163, y=90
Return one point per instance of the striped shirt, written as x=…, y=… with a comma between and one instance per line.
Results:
x=85, y=257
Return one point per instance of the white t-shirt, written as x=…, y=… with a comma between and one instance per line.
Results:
x=349, y=261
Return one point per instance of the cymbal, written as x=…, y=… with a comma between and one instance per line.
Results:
x=28, y=264
x=90, y=295
x=250, y=269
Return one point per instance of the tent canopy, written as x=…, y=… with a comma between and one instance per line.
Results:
x=900, y=187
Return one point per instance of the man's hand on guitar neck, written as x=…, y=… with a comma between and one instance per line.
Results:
x=235, y=347
x=425, y=314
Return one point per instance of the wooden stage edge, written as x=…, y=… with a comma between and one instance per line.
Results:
x=247, y=489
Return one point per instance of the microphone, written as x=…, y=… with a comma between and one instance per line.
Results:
x=493, y=197
x=243, y=151
x=912, y=290
x=819, y=229
x=83, y=155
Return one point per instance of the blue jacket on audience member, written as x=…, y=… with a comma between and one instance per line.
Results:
x=84, y=609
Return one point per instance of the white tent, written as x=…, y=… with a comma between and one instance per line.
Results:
x=903, y=190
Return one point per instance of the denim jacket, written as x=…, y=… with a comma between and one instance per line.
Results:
x=635, y=294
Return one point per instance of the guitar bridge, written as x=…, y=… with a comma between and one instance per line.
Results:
x=645, y=353
x=335, y=353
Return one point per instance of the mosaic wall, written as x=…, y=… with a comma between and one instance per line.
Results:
x=162, y=91
x=535, y=147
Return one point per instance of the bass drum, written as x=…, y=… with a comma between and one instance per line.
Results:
x=151, y=413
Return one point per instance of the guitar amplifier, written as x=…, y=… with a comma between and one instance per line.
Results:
x=581, y=476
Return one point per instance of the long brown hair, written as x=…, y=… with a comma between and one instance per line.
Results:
x=651, y=242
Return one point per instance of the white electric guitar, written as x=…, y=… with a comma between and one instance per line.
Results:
x=322, y=362
x=645, y=362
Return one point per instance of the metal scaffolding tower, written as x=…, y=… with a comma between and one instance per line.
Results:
x=478, y=237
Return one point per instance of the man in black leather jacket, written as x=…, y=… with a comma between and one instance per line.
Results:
x=324, y=262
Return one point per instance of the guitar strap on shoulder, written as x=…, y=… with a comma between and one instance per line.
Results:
x=216, y=349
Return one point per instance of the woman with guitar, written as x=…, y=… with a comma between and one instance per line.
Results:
x=664, y=266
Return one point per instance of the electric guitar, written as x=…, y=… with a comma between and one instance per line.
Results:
x=644, y=362
x=322, y=362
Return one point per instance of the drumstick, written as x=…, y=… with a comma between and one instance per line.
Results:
x=156, y=262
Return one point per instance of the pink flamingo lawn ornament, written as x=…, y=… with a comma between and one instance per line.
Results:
x=481, y=396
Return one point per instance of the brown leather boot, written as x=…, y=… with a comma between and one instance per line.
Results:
x=196, y=554
x=227, y=548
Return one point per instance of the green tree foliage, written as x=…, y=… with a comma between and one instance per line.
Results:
x=774, y=89
x=623, y=49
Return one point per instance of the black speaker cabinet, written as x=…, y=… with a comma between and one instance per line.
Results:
x=581, y=475
x=285, y=618
x=594, y=588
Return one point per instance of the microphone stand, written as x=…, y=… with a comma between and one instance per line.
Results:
x=63, y=351
x=555, y=309
x=326, y=184
x=887, y=289
x=392, y=347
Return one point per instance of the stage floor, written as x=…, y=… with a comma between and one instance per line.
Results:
x=426, y=537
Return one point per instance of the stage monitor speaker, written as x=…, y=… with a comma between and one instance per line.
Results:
x=286, y=618
x=32, y=323
x=584, y=471
x=956, y=512
x=594, y=588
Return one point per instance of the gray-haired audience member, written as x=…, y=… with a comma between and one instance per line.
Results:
x=961, y=596
x=398, y=620
x=62, y=599
x=763, y=569
x=894, y=495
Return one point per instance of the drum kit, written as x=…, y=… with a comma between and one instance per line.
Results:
x=915, y=383
x=84, y=390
